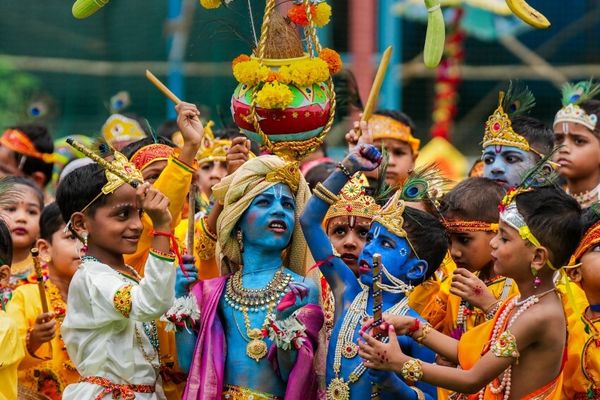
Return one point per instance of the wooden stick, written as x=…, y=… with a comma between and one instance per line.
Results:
x=161, y=86
x=376, y=88
x=377, y=310
x=191, y=221
x=35, y=254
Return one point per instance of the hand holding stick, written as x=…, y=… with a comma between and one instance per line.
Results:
x=40, y=278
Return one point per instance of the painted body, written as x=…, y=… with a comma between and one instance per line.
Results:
x=396, y=257
x=506, y=165
x=266, y=228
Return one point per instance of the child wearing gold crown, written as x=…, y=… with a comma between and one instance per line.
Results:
x=577, y=132
x=110, y=330
x=514, y=142
x=411, y=244
x=520, y=353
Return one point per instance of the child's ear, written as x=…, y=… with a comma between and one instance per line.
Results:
x=39, y=178
x=4, y=275
x=541, y=256
x=417, y=271
x=44, y=247
x=574, y=274
x=78, y=224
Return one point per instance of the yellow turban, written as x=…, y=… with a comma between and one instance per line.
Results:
x=237, y=191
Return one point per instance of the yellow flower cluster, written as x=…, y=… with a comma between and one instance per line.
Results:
x=210, y=3
x=322, y=14
x=251, y=72
x=274, y=95
x=306, y=72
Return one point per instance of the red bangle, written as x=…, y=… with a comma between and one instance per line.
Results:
x=162, y=233
x=415, y=327
x=174, y=246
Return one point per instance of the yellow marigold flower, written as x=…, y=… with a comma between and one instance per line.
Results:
x=250, y=73
x=307, y=72
x=239, y=59
x=274, y=95
x=210, y=3
x=322, y=14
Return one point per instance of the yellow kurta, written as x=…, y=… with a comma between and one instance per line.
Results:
x=23, y=273
x=204, y=247
x=50, y=369
x=11, y=353
x=582, y=372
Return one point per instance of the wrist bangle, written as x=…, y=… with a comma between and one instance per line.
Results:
x=323, y=198
x=419, y=392
x=412, y=370
x=344, y=170
x=415, y=327
x=321, y=189
x=425, y=330
x=491, y=311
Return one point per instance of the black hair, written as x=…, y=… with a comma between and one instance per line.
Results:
x=167, y=129
x=79, y=188
x=590, y=216
x=401, y=117
x=6, y=246
x=8, y=183
x=473, y=199
x=427, y=237
x=129, y=150
x=51, y=221
x=42, y=141
x=539, y=135
x=593, y=107
x=319, y=173
x=554, y=218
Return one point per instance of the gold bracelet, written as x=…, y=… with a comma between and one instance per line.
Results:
x=324, y=198
x=491, y=311
x=427, y=328
x=326, y=192
x=412, y=370
x=419, y=392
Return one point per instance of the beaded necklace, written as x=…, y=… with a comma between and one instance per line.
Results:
x=254, y=300
x=339, y=389
x=499, y=327
x=589, y=352
x=586, y=197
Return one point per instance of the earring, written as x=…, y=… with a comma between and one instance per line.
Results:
x=239, y=236
x=84, y=248
x=536, y=279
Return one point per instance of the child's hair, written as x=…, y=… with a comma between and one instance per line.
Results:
x=427, y=237
x=319, y=173
x=6, y=247
x=399, y=116
x=593, y=107
x=8, y=191
x=589, y=217
x=79, y=188
x=554, y=218
x=473, y=199
x=42, y=140
x=51, y=221
x=129, y=150
x=538, y=134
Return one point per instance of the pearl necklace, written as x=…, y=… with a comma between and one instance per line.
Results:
x=522, y=306
x=587, y=196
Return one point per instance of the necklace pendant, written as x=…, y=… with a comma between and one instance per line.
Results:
x=350, y=350
x=256, y=349
x=338, y=390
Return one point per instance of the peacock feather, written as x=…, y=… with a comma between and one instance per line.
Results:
x=518, y=100
x=541, y=175
x=421, y=184
x=577, y=93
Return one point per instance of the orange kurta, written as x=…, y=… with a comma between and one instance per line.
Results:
x=50, y=369
x=474, y=344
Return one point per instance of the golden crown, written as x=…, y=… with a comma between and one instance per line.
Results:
x=354, y=201
x=391, y=215
x=212, y=149
x=288, y=174
x=576, y=114
x=499, y=131
x=122, y=169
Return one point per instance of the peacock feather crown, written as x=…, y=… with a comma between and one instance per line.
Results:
x=572, y=97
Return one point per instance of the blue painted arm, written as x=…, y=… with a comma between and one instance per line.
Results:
x=185, y=342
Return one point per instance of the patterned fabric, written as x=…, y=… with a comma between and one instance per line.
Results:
x=231, y=392
x=122, y=300
x=124, y=392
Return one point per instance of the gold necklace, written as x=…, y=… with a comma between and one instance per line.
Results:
x=256, y=348
x=254, y=300
x=338, y=388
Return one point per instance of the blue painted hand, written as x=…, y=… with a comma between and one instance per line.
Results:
x=183, y=282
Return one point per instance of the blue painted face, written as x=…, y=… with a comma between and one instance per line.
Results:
x=269, y=220
x=395, y=256
x=506, y=165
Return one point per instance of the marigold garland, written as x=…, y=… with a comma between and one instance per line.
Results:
x=305, y=73
x=321, y=14
x=239, y=59
x=333, y=60
x=210, y=4
x=274, y=95
x=250, y=73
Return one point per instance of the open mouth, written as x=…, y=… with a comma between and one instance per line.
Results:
x=349, y=257
x=278, y=226
x=364, y=267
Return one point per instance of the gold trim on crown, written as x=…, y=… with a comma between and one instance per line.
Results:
x=212, y=149
x=288, y=174
x=499, y=131
x=391, y=215
x=574, y=113
x=354, y=201
x=121, y=164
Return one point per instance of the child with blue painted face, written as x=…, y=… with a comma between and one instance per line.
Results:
x=513, y=142
x=411, y=243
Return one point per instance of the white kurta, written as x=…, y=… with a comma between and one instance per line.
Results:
x=100, y=340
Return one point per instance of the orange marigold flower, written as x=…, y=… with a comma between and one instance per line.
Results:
x=239, y=59
x=297, y=14
x=333, y=60
x=274, y=76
